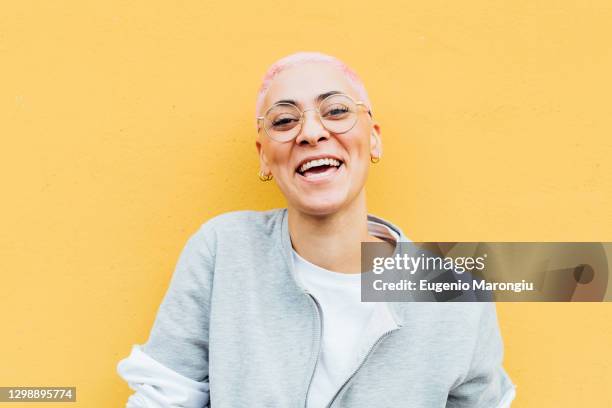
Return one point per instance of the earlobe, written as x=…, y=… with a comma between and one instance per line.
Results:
x=263, y=161
x=375, y=144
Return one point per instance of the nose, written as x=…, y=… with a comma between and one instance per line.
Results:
x=312, y=131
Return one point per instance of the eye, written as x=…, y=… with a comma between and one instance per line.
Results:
x=336, y=111
x=282, y=117
x=284, y=122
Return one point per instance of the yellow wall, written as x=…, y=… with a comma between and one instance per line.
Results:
x=124, y=125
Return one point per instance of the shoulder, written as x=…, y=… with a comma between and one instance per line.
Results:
x=243, y=220
x=234, y=226
x=224, y=236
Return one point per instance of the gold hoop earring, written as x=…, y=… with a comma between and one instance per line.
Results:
x=374, y=159
x=264, y=177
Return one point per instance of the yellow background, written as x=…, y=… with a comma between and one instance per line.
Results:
x=126, y=124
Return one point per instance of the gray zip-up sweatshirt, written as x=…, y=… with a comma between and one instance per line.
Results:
x=236, y=317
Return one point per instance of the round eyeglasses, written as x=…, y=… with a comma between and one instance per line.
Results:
x=283, y=121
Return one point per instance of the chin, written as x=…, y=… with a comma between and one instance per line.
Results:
x=321, y=206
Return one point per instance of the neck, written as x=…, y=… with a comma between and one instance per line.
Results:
x=332, y=241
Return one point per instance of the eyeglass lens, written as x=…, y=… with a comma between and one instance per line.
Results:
x=338, y=114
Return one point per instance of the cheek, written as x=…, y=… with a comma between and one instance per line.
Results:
x=357, y=145
x=278, y=163
x=278, y=156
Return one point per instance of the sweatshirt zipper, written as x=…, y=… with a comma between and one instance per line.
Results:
x=376, y=343
x=319, y=335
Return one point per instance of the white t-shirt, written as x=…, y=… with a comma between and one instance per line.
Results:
x=345, y=319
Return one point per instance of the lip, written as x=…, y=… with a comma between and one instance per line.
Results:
x=326, y=177
x=316, y=157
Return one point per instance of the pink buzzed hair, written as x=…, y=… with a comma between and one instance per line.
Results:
x=304, y=57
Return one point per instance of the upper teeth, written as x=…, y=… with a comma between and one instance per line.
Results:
x=318, y=162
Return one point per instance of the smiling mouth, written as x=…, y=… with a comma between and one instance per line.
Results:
x=319, y=168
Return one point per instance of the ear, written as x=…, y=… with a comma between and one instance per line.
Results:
x=263, y=161
x=376, y=141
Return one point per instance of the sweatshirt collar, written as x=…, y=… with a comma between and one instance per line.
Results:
x=386, y=318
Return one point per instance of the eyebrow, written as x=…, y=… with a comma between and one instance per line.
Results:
x=318, y=99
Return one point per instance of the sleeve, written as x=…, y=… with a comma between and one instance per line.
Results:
x=171, y=368
x=157, y=386
x=486, y=384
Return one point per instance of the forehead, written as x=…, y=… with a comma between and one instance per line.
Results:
x=304, y=82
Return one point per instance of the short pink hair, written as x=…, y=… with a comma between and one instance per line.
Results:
x=303, y=57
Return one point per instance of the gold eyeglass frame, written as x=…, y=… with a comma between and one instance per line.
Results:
x=301, y=121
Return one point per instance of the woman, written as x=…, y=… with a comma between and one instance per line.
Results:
x=264, y=310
